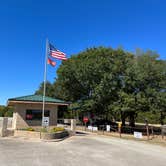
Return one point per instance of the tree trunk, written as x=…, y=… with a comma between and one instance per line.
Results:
x=123, y=121
x=132, y=119
x=161, y=118
x=123, y=118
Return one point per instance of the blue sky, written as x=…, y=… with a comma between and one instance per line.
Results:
x=72, y=26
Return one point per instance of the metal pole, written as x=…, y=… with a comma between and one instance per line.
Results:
x=45, y=78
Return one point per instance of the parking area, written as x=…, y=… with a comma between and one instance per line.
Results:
x=82, y=150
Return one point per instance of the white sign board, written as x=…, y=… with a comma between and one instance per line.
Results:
x=95, y=128
x=45, y=122
x=137, y=134
x=89, y=127
x=108, y=127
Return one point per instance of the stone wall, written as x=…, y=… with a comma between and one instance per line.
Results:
x=27, y=134
x=9, y=124
x=34, y=134
x=3, y=128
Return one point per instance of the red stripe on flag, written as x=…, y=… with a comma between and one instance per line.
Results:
x=58, y=52
x=59, y=57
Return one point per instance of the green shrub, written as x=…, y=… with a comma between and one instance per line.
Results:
x=44, y=130
x=30, y=129
x=56, y=129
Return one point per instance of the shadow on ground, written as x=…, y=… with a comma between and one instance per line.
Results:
x=78, y=133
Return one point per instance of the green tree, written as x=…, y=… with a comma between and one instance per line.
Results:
x=50, y=90
x=94, y=77
x=6, y=111
x=144, y=80
x=2, y=111
x=112, y=83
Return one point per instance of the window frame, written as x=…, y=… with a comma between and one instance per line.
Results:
x=36, y=114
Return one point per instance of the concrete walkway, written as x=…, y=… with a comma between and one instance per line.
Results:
x=80, y=150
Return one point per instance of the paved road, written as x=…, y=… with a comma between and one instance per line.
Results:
x=89, y=150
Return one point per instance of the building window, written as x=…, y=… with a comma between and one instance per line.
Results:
x=36, y=114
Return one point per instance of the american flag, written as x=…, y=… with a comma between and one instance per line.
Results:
x=56, y=53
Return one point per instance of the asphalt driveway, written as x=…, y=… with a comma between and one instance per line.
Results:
x=82, y=150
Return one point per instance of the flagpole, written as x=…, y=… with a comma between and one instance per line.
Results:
x=45, y=79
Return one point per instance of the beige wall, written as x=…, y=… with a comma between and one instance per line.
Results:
x=19, y=115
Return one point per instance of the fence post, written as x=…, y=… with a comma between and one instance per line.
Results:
x=162, y=133
x=119, y=128
x=3, y=131
x=152, y=132
x=163, y=130
x=147, y=129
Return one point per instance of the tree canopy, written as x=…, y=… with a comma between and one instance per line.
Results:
x=6, y=111
x=112, y=83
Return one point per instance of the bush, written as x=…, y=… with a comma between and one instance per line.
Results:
x=45, y=130
x=56, y=129
x=28, y=129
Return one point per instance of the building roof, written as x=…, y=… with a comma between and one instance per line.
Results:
x=37, y=98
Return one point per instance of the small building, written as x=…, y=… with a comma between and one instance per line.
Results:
x=27, y=110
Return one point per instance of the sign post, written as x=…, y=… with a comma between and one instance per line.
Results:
x=85, y=119
x=45, y=79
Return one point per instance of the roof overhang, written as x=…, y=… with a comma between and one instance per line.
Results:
x=13, y=102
